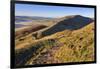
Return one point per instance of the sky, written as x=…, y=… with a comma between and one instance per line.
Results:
x=51, y=11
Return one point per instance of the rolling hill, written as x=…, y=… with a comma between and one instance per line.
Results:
x=68, y=22
x=30, y=18
x=28, y=29
x=68, y=39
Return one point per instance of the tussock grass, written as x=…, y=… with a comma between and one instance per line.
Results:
x=61, y=47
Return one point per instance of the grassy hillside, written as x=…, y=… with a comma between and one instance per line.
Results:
x=78, y=46
x=27, y=30
x=68, y=22
x=62, y=47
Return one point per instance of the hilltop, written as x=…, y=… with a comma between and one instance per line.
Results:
x=67, y=23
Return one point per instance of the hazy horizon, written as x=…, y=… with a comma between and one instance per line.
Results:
x=51, y=11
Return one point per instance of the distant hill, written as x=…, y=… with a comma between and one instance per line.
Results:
x=73, y=22
x=67, y=23
x=29, y=18
x=28, y=29
x=19, y=25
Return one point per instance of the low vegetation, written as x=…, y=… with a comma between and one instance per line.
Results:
x=60, y=47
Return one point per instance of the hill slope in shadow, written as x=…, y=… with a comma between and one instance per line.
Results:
x=70, y=23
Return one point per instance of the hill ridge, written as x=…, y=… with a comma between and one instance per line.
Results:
x=72, y=23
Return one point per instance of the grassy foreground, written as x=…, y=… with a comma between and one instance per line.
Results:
x=61, y=47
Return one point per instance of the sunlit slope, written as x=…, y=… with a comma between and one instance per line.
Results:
x=78, y=46
x=61, y=47
x=68, y=46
